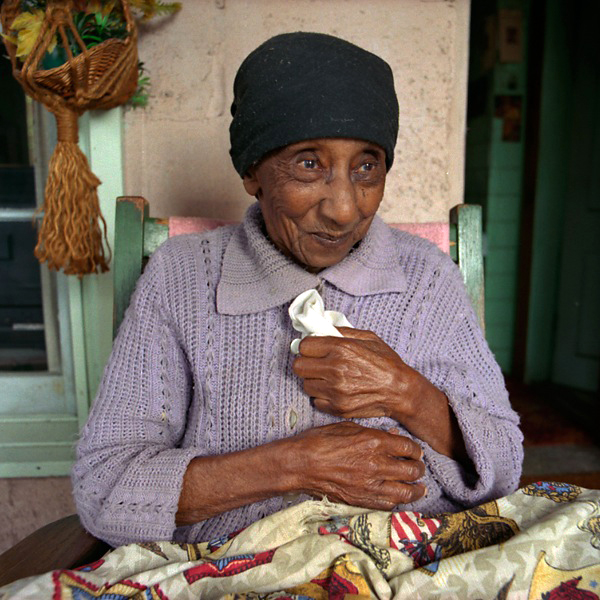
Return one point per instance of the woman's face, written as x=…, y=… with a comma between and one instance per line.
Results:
x=318, y=197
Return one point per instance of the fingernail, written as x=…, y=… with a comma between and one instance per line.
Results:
x=426, y=491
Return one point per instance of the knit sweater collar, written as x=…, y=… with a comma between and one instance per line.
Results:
x=256, y=276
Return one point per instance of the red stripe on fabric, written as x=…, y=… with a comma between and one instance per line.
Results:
x=418, y=534
x=400, y=532
x=431, y=525
x=412, y=525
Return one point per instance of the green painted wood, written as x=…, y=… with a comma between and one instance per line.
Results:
x=467, y=219
x=32, y=393
x=37, y=445
x=136, y=237
x=131, y=213
x=105, y=152
x=80, y=371
x=40, y=468
x=49, y=428
x=29, y=451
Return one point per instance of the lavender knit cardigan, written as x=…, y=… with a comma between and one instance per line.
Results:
x=201, y=366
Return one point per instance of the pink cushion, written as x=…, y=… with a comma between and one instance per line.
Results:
x=438, y=233
x=180, y=225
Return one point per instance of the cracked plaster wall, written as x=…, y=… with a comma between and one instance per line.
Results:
x=176, y=149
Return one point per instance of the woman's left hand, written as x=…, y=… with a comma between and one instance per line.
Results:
x=359, y=375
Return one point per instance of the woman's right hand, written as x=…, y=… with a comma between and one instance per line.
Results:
x=357, y=465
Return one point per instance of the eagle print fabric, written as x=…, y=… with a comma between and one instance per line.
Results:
x=542, y=542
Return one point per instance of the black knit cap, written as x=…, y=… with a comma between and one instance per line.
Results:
x=300, y=86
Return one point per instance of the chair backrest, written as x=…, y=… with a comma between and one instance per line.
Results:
x=137, y=236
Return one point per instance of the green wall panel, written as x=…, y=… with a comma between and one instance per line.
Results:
x=502, y=261
x=476, y=180
x=494, y=171
x=500, y=288
x=551, y=191
x=502, y=208
x=500, y=336
x=506, y=155
x=504, y=358
x=505, y=181
x=502, y=234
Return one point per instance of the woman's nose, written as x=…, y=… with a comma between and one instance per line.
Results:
x=340, y=204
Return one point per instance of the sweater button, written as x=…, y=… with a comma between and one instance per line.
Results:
x=293, y=419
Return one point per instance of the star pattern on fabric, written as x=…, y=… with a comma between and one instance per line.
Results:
x=540, y=561
x=153, y=547
x=68, y=584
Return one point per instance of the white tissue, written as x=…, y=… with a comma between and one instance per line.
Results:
x=309, y=317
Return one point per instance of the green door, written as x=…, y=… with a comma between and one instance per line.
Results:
x=577, y=341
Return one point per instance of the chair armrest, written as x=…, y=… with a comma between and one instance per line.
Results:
x=63, y=544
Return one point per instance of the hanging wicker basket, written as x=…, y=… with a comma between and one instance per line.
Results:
x=72, y=235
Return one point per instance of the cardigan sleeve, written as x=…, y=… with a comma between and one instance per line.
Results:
x=464, y=368
x=129, y=469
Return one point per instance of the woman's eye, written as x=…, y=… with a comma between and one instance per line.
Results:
x=369, y=171
x=309, y=163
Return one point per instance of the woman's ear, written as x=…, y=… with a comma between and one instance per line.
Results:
x=251, y=183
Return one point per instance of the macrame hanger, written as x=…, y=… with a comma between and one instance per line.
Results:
x=72, y=235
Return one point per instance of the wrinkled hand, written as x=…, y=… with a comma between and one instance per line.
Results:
x=358, y=375
x=358, y=465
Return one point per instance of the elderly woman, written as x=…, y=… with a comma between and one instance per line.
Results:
x=204, y=421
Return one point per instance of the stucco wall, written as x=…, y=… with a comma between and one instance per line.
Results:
x=177, y=148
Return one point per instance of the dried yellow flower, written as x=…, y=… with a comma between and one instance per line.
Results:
x=97, y=6
x=28, y=25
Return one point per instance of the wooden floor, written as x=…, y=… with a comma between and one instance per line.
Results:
x=557, y=448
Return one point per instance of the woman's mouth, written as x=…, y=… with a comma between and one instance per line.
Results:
x=330, y=240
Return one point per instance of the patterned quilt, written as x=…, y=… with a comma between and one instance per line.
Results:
x=542, y=542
